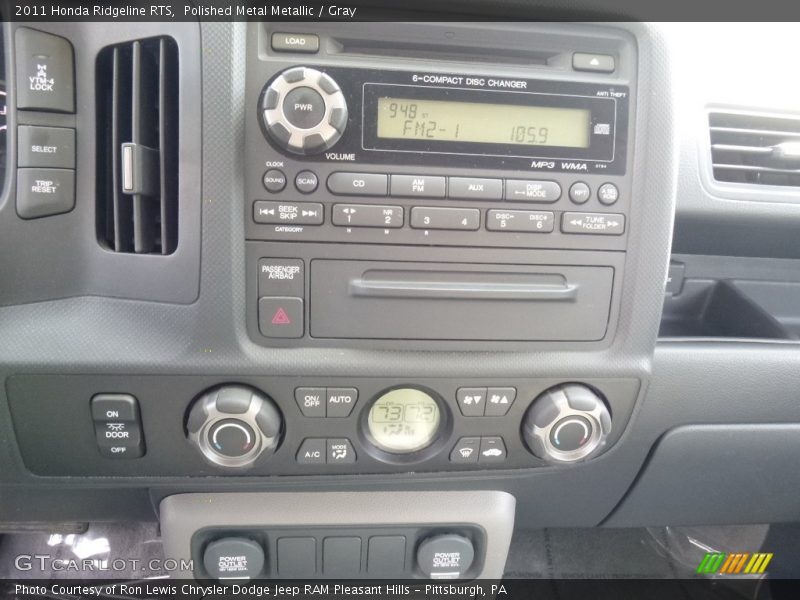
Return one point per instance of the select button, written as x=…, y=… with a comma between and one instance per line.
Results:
x=46, y=147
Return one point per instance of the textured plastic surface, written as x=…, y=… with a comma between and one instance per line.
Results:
x=746, y=472
x=492, y=511
x=59, y=256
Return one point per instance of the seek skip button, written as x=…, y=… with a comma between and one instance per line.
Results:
x=297, y=213
x=341, y=401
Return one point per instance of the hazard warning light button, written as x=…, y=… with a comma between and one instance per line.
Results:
x=280, y=317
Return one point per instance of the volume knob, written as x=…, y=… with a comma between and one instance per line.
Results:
x=304, y=111
x=566, y=423
x=234, y=425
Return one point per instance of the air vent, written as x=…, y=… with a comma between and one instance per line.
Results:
x=137, y=146
x=755, y=148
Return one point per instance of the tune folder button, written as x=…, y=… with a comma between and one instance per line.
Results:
x=593, y=223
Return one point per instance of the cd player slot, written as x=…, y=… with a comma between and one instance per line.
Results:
x=428, y=51
x=353, y=299
x=458, y=286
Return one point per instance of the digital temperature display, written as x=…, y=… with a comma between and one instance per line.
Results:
x=477, y=122
x=404, y=420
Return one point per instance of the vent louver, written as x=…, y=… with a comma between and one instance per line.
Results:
x=755, y=148
x=137, y=146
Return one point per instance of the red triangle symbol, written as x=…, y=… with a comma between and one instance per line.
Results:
x=280, y=317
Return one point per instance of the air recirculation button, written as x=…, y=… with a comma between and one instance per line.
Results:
x=234, y=425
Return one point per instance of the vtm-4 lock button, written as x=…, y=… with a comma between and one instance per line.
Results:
x=117, y=425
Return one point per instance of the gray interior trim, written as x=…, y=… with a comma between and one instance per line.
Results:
x=184, y=514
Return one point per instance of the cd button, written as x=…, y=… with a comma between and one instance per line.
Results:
x=470, y=188
x=304, y=107
x=521, y=190
x=358, y=184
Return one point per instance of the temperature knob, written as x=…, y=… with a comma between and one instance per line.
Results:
x=566, y=423
x=234, y=425
x=304, y=111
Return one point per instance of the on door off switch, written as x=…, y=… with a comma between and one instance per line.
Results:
x=117, y=426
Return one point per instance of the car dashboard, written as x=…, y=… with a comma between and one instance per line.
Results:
x=486, y=276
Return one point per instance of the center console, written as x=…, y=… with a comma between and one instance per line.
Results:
x=430, y=259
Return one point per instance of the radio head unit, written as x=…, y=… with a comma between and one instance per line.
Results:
x=411, y=118
x=411, y=202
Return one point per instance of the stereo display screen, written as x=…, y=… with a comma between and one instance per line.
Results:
x=454, y=121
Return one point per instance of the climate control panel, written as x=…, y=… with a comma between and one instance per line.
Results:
x=313, y=425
